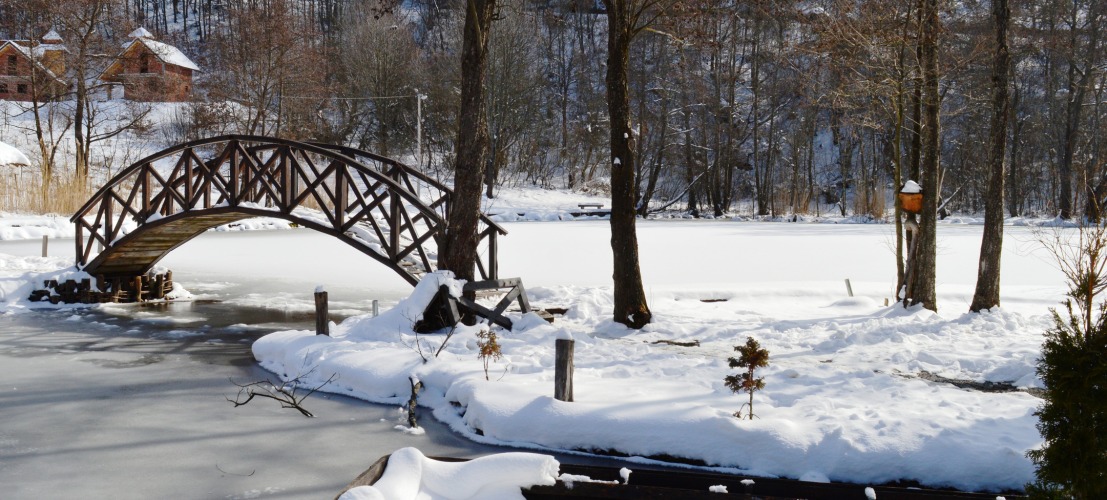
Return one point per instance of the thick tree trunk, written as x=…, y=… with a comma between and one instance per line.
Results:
x=924, y=291
x=630, y=299
x=987, y=277
x=458, y=251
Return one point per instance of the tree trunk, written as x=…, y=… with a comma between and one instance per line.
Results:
x=81, y=130
x=1078, y=87
x=924, y=291
x=987, y=277
x=630, y=299
x=458, y=251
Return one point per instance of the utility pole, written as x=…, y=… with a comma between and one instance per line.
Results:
x=419, y=127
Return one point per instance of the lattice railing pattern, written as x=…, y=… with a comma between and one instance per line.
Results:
x=366, y=200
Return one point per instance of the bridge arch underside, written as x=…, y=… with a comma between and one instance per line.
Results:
x=140, y=250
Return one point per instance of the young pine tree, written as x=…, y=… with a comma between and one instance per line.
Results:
x=1073, y=366
x=751, y=357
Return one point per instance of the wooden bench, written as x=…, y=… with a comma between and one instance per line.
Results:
x=590, y=205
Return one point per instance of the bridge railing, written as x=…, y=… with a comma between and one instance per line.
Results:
x=438, y=197
x=367, y=200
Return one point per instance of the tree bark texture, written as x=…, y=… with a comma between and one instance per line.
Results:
x=630, y=299
x=458, y=247
x=991, y=245
x=924, y=291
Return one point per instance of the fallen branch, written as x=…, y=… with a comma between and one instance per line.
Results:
x=285, y=393
x=694, y=343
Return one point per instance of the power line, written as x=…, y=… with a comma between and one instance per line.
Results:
x=320, y=98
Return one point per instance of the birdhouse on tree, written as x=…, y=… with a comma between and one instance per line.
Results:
x=911, y=197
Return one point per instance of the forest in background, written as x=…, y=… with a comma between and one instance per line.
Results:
x=757, y=107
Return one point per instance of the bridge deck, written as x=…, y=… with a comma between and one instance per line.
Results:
x=133, y=256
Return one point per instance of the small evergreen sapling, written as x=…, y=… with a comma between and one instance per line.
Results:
x=489, y=349
x=1072, y=462
x=751, y=357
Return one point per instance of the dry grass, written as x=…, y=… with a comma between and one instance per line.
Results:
x=870, y=200
x=21, y=191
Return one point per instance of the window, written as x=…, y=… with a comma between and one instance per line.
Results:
x=144, y=64
x=21, y=88
x=3, y=88
x=13, y=62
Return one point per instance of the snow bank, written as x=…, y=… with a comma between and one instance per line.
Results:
x=410, y=476
x=11, y=156
x=20, y=275
x=26, y=227
x=843, y=399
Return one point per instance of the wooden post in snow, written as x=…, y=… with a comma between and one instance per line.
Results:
x=45, y=243
x=322, y=316
x=563, y=370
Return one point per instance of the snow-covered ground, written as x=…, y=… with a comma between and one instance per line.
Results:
x=847, y=395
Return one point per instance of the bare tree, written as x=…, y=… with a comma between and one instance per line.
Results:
x=924, y=292
x=458, y=247
x=625, y=20
x=263, y=53
x=991, y=245
x=381, y=70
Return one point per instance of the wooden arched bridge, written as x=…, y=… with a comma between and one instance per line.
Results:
x=387, y=210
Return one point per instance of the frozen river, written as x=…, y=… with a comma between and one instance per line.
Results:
x=129, y=401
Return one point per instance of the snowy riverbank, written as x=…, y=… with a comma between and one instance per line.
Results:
x=850, y=392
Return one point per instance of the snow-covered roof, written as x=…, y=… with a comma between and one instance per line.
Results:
x=35, y=55
x=911, y=187
x=11, y=156
x=168, y=53
x=52, y=37
x=141, y=33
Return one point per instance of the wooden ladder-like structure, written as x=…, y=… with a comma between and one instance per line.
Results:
x=387, y=210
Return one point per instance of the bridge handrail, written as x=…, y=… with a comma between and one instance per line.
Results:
x=355, y=152
x=134, y=167
x=378, y=174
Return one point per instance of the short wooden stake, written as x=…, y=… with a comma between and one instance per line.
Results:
x=376, y=308
x=849, y=288
x=563, y=370
x=45, y=243
x=322, y=316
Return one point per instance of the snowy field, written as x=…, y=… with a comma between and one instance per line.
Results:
x=850, y=393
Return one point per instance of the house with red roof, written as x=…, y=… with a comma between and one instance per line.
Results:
x=151, y=71
x=33, y=69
